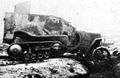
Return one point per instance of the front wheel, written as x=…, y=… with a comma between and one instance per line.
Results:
x=101, y=56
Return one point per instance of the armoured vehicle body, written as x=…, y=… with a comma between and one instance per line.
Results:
x=50, y=31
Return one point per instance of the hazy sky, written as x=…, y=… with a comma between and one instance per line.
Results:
x=102, y=16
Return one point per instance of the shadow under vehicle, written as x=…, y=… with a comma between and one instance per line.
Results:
x=32, y=38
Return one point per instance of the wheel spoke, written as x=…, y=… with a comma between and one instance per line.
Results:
x=101, y=56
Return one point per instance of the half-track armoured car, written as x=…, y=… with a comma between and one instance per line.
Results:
x=32, y=38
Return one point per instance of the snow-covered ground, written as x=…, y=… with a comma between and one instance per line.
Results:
x=51, y=68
